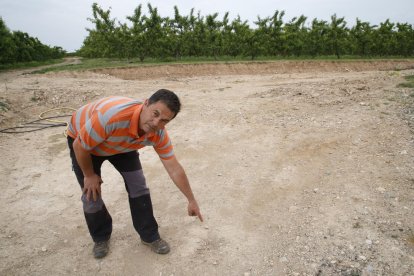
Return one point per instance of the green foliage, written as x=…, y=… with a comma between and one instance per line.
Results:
x=29, y=64
x=4, y=106
x=19, y=47
x=337, y=36
x=154, y=37
x=409, y=82
x=7, y=45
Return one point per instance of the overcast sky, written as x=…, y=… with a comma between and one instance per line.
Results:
x=63, y=22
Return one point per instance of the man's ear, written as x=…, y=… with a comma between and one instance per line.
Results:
x=146, y=102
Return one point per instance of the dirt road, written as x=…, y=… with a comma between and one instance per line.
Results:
x=299, y=168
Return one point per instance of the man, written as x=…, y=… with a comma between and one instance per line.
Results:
x=113, y=129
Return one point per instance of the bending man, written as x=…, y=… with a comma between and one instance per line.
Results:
x=113, y=129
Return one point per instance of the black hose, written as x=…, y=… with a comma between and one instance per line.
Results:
x=34, y=125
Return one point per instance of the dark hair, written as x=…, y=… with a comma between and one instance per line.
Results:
x=169, y=98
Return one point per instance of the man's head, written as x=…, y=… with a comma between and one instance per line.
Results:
x=159, y=110
x=168, y=98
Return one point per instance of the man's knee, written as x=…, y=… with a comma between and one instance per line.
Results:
x=90, y=206
x=136, y=183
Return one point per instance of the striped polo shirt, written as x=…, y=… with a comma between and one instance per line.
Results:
x=110, y=126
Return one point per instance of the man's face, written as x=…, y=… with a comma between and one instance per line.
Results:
x=154, y=116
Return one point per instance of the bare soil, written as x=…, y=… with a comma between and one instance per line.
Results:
x=300, y=168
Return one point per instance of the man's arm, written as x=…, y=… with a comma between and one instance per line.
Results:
x=91, y=181
x=178, y=176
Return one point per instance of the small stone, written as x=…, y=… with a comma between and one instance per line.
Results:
x=283, y=260
x=404, y=152
x=370, y=269
x=293, y=208
x=44, y=249
x=369, y=242
x=247, y=274
x=315, y=190
x=205, y=227
x=65, y=241
x=381, y=189
x=362, y=257
x=215, y=263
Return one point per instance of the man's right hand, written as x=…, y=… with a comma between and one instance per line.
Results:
x=92, y=186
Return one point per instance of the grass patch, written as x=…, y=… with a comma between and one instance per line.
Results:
x=409, y=82
x=23, y=65
x=4, y=106
x=88, y=64
x=411, y=239
x=98, y=63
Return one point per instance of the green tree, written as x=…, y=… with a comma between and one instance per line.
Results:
x=101, y=41
x=190, y=35
x=8, y=47
x=405, y=39
x=295, y=36
x=277, y=38
x=317, y=37
x=138, y=42
x=213, y=34
x=192, y=45
x=238, y=38
x=385, y=39
x=200, y=37
x=361, y=36
x=260, y=40
x=24, y=46
x=124, y=46
x=337, y=36
x=153, y=32
x=255, y=48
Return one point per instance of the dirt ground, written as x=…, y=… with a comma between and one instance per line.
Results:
x=300, y=168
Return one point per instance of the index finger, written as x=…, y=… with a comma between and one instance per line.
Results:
x=200, y=216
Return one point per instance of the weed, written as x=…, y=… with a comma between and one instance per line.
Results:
x=411, y=239
x=21, y=65
x=4, y=106
x=357, y=225
x=409, y=82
